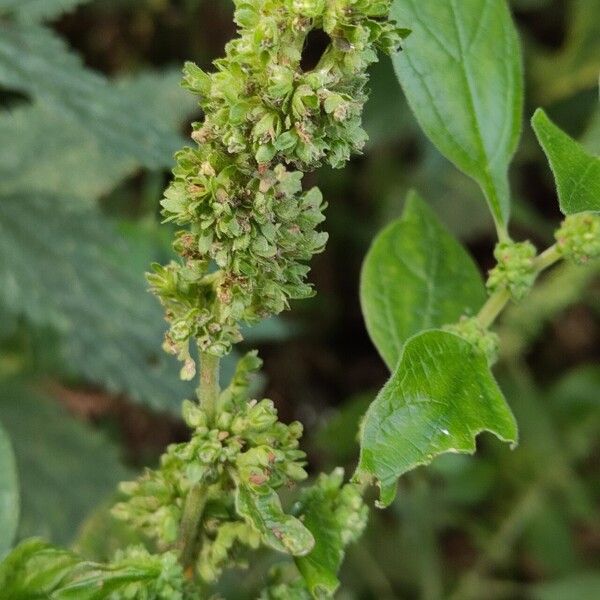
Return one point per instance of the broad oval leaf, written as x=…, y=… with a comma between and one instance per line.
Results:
x=9, y=494
x=441, y=396
x=416, y=276
x=461, y=71
x=576, y=171
x=262, y=510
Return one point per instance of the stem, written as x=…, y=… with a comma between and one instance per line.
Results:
x=208, y=394
x=547, y=258
x=493, y=307
x=190, y=523
x=208, y=390
x=498, y=300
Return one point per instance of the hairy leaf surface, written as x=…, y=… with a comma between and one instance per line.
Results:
x=73, y=160
x=280, y=531
x=68, y=269
x=65, y=467
x=416, y=276
x=461, y=71
x=441, y=396
x=9, y=494
x=33, y=60
x=576, y=171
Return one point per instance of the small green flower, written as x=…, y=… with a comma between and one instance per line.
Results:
x=515, y=269
x=485, y=341
x=578, y=238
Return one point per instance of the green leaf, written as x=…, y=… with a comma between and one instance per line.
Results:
x=331, y=523
x=33, y=60
x=38, y=10
x=441, y=396
x=461, y=71
x=67, y=268
x=416, y=276
x=9, y=494
x=34, y=570
x=72, y=160
x=576, y=172
x=262, y=509
x=38, y=570
x=65, y=467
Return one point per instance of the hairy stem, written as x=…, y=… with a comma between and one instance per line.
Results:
x=208, y=390
x=190, y=523
x=208, y=394
x=497, y=302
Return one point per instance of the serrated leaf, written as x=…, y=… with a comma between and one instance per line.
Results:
x=441, y=396
x=38, y=10
x=416, y=276
x=38, y=570
x=65, y=467
x=280, y=531
x=34, y=569
x=576, y=171
x=461, y=71
x=33, y=60
x=9, y=494
x=50, y=152
x=67, y=268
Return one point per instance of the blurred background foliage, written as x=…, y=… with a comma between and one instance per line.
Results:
x=90, y=115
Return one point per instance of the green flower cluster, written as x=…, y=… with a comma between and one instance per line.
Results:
x=515, y=269
x=250, y=227
x=485, y=341
x=246, y=448
x=578, y=238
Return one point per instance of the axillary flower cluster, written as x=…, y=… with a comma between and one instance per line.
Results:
x=248, y=231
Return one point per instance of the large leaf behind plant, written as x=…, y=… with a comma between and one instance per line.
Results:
x=441, y=396
x=33, y=60
x=38, y=10
x=66, y=268
x=415, y=277
x=65, y=467
x=462, y=74
x=48, y=151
